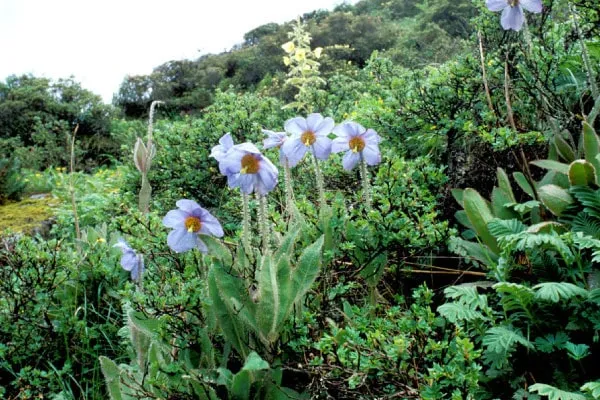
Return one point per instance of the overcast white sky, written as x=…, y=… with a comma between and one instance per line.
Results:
x=100, y=42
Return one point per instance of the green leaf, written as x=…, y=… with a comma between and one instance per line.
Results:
x=255, y=363
x=564, y=149
x=591, y=145
x=556, y=291
x=593, y=388
x=581, y=173
x=523, y=183
x=555, y=198
x=504, y=184
x=552, y=165
x=499, y=200
x=577, y=351
x=479, y=215
x=555, y=393
x=458, y=195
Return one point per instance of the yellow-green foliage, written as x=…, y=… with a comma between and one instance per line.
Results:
x=27, y=215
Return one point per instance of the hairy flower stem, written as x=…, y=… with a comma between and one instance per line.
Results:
x=364, y=177
x=290, y=204
x=263, y=223
x=319, y=179
x=484, y=75
x=246, y=224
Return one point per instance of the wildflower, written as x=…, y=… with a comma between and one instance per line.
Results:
x=512, y=11
x=275, y=139
x=225, y=144
x=246, y=168
x=307, y=134
x=358, y=143
x=190, y=221
x=130, y=260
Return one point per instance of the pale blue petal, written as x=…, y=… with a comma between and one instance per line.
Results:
x=246, y=147
x=325, y=127
x=348, y=129
x=139, y=268
x=512, y=18
x=340, y=144
x=534, y=6
x=210, y=225
x=175, y=218
x=371, y=137
x=296, y=126
x=187, y=205
x=322, y=147
x=313, y=121
x=200, y=245
x=350, y=160
x=128, y=260
x=496, y=5
x=371, y=154
x=275, y=139
x=246, y=182
x=267, y=179
x=294, y=150
x=231, y=163
x=180, y=240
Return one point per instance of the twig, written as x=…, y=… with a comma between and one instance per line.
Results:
x=71, y=186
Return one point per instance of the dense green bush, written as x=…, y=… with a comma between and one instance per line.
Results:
x=11, y=179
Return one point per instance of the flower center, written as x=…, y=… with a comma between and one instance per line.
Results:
x=250, y=164
x=308, y=138
x=357, y=144
x=193, y=224
x=513, y=3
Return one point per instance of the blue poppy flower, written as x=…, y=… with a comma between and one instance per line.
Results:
x=189, y=223
x=512, y=11
x=130, y=260
x=358, y=143
x=308, y=134
x=246, y=168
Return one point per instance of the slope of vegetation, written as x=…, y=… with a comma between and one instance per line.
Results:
x=457, y=260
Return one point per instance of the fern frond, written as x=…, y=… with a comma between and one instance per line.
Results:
x=556, y=291
x=455, y=312
x=503, y=339
x=586, y=224
x=503, y=227
x=590, y=199
x=515, y=298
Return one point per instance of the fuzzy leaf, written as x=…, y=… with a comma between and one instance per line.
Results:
x=523, y=183
x=504, y=184
x=565, y=151
x=479, y=215
x=552, y=165
x=255, y=363
x=111, y=372
x=555, y=198
x=581, y=173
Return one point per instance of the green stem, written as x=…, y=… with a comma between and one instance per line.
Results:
x=290, y=204
x=364, y=177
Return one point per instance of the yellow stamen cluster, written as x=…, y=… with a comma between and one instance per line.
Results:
x=357, y=144
x=250, y=164
x=193, y=224
x=308, y=138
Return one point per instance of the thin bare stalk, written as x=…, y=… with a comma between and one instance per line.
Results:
x=589, y=71
x=246, y=223
x=511, y=121
x=72, y=186
x=484, y=75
